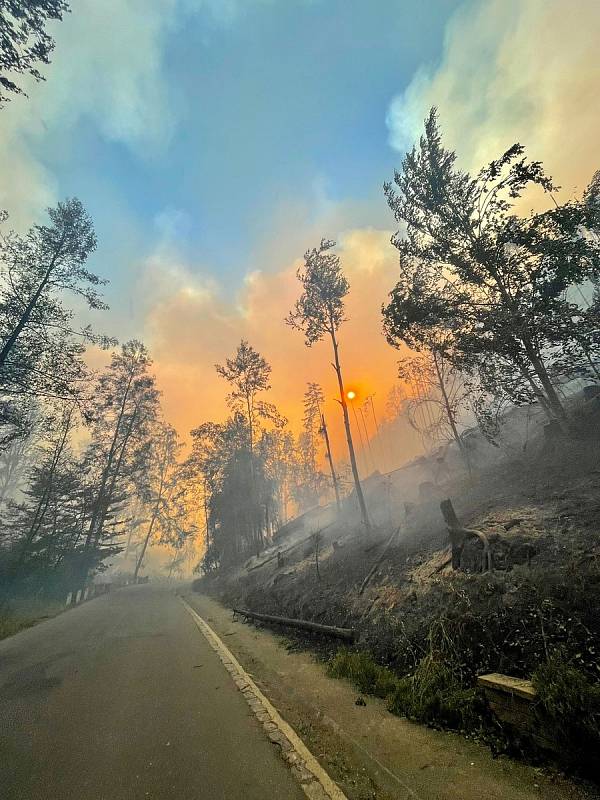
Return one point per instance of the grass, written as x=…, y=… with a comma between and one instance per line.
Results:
x=568, y=710
x=432, y=694
x=11, y=625
x=363, y=672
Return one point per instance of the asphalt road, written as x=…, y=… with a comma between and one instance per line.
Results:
x=122, y=698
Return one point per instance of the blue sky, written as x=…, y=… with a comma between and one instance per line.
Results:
x=279, y=104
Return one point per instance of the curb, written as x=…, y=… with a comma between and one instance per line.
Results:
x=314, y=781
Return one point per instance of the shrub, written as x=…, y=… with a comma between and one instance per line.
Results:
x=568, y=709
x=435, y=695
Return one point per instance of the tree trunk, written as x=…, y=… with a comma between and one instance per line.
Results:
x=26, y=315
x=553, y=399
x=336, y=488
x=553, y=407
x=106, y=470
x=47, y=493
x=117, y=471
x=450, y=413
x=359, y=492
x=145, y=545
x=161, y=487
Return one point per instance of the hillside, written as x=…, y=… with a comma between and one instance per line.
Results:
x=433, y=628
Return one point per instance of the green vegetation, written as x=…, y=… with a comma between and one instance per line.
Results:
x=437, y=694
x=11, y=625
x=433, y=694
x=360, y=668
x=568, y=709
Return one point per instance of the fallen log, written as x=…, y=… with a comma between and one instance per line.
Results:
x=347, y=634
x=371, y=572
x=288, y=549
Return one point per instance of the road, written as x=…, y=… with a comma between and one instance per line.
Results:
x=122, y=698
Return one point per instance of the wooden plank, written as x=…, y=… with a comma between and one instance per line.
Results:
x=506, y=684
x=512, y=701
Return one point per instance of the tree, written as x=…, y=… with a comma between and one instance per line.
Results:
x=278, y=461
x=16, y=454
x=437, y=398
x=31, y=518
x=220, y=460
x=240, y=510
x=248, y=374
x=81, y=499
x=311, y=482
x=159, y=481
x=125, y=412
x=24, y=42
x=474, y=275
x=50, y=259
x=334, y=476
x=318, y=313
x=40, y=351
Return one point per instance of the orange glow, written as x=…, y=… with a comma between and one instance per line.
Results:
x=191, y=326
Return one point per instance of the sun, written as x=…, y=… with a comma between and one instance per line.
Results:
x=350, y=395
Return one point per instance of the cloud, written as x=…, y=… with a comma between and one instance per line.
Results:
x=192, y=326
x=109, y=71
x=513, y=70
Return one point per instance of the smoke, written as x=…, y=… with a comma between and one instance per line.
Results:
x=513, y=70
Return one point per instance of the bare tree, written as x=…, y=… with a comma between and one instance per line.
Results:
x=438, y=396
x=160, y=483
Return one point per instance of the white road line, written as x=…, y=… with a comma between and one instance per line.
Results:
x=315, y=782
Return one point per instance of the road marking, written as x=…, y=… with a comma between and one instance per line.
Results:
x=315, y=782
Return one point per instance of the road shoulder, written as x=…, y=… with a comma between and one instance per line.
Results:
x=367, y=751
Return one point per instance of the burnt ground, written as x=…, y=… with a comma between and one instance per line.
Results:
x=539, y=505
x=540, y=510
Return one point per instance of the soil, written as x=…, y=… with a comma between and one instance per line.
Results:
x=367, y=751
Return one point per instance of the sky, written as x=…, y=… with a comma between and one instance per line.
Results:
x=214, y=141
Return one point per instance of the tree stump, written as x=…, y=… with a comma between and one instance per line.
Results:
x=459, y=535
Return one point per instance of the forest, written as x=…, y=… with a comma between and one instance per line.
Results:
x=496, y=310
